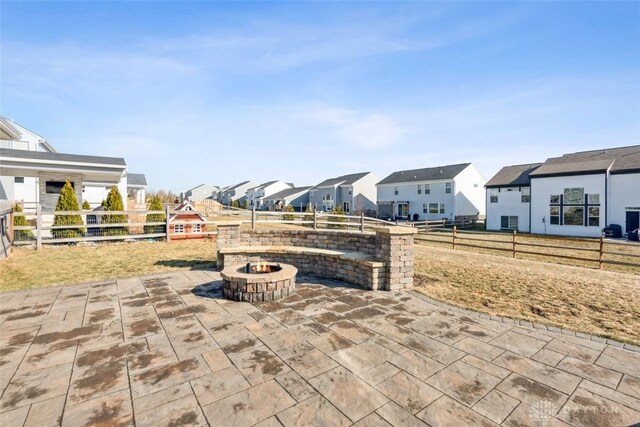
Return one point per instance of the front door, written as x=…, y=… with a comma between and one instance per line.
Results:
x=633, y=220
x=346, y=206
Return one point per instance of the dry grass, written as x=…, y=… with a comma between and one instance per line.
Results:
x=61, y=265
x=601, y=303
x=501, y=244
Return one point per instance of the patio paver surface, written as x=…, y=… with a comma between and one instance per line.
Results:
x=169, y=350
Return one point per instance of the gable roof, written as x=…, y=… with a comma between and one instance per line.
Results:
x=185, y=207
x=264, y=184
x=201, y=185
x=616, y=160
x=513, y=176
x=287, y=192
x=136, y=179
x=60, y=157
x=233, y=187
x=343, y=180
x=425, y=174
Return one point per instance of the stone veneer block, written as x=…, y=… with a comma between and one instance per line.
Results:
x=260, y=287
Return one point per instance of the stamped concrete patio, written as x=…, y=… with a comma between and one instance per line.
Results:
x=168, y=350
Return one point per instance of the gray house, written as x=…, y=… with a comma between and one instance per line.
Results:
x=237, y=192
x=355, y=193
x=296, y=197
x=200, y=192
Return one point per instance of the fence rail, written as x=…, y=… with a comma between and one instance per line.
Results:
x=516, y=244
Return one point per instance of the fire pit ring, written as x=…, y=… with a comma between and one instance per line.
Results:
x=258, y=282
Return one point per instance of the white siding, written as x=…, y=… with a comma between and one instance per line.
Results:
x=543, y=188
x=409, y=192
x=624, y=193
x=509, y=204
x=469, y=192
x=364, y=194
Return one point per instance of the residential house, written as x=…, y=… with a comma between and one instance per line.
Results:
x=32, y=172
x=255, y=195
x=137, y=188
x=578, y=194
x=442, y=192
x=200, y=192
x=508, y=198
x=186, y=223
x=355, y=193
x=237, y=192
x=297, y=197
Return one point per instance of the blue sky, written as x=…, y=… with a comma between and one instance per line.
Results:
x=219, y=92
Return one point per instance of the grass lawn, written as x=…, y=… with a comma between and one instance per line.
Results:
x=597, y=302
x=603, y=303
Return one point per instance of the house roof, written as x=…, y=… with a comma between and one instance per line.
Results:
x=513, y=176
x=233, y=187
x=426, y=174
x=264, y=184
x=616, y=160
x=343, y=180
x=201, y=185
x=17, y=132
x=287, y=192
x=185, y=208
x=60, y=157
x=136, y=179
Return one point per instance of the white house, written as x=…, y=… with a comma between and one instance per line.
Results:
x=441, y=192
x=509, y=198
x=355, y=193
x=137, y=188
x=297, y=197
x=32, y=172
x=255, y=195
x=237, y=192
x=200, y=192
x=578, y=194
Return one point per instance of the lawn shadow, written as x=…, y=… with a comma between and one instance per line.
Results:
x=187, y=263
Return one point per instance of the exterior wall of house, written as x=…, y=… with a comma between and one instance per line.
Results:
x=95, y=194
x=316, y=195
x=543, y=188
x=199, y=193
x=509, y=204
x=365, y=194
x=469, y=193
x=624, y=195
x=190, y=220
x=48, y=201
x=408, y=192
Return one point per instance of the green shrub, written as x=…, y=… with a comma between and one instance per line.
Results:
x=338, y=215
x=67, y=201
x=289, y=217
x=155, y=204
x=308, y=215
x=114, y=203
x=235, y=204
x=86, y=206
x=21, y=221
x=245, y=204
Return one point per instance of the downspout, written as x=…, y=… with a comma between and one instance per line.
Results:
x=606, y=197
x=530, y=201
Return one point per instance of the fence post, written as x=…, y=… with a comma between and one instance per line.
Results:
x=455, y=230
x=166, y=219
x=38, y=227
x=12, y=235
x=362, y=221
x=253, y=217
x=513, y=240
x=601, y=252
x=315, y=219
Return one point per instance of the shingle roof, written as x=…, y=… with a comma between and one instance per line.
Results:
x=515, y=175
x=287, y=192
x=617, y=160
x=60, y=157
x=136, y=179
x=426, y=174
x=237, y=185
x=264, y=184
x=343, y=180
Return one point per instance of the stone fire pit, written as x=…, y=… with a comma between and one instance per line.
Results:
x=258, y=282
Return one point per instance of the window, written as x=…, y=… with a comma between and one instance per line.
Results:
x=427, y=189
x=493, y=195
x=425, y=208
x=195, y=228
x=475, y=185
x=395, y=191
x=554, y=215
x=594, y=216
x=447, y=187
x=441, y=208
x=554, y=199
x=419, y=188
x=403, y=210
x=509, y=222
x=525, y=195
x=54, y=187
x=594, y=199
x=573, y=196
x=178, y=228
x=573, y=215
x=433, y=208
x=20, y=145
x=19, y=179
